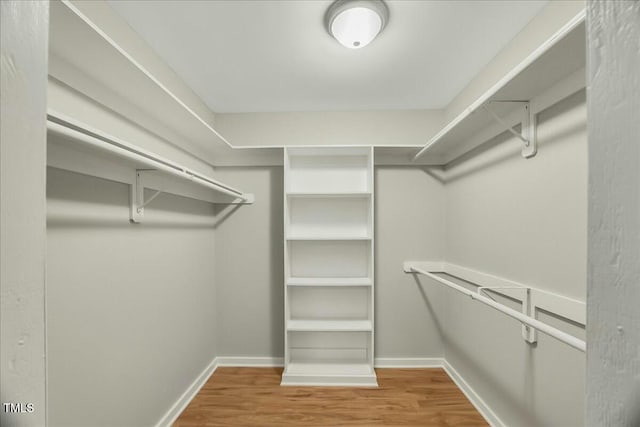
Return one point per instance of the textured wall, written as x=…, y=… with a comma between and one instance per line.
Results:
x=131, y=308
x=22, y=220
x=613, y=295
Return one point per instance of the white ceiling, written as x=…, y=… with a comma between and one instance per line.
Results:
x=275, y=55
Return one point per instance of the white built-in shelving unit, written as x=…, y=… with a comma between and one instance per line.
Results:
x=328, y=266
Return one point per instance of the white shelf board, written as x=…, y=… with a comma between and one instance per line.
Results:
x=328, y=236
x=328, y=368
x=328, y=194
x=329, y=374
x=340, y=151
x=329, y=325
x=98, y=73
x=329, y=281
x=553, y=62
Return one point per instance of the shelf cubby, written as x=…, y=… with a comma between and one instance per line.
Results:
x=329, y=218
x=329, y=170
x=322, y=303
x=319, y=258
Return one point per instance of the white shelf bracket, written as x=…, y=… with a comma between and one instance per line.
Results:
x=529, y=334
x=136, y=198
x=528, y=127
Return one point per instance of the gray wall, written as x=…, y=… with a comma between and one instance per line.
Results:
x=523, y=220
x=409, y=226
x=388, y=127
x=249, y=259
x=24, y=38
x=131, y=318
x=249, y=266
x=613, y=345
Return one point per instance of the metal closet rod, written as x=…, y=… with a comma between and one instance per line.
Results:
x=69, y=130
x=527, y=320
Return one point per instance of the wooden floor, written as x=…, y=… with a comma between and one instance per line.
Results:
x=254, y=397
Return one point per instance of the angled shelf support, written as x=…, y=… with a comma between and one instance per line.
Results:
x=159, y=182
x=136, y=198
x=528, y=308
x=527, y=132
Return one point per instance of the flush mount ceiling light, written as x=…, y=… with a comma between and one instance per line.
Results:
x=355, y=23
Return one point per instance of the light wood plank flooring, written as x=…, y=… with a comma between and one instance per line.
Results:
x=254, y=397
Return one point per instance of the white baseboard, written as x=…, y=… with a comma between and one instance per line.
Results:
x=183, y=401
x=473, y=397
x=263, y=362
x=408, y=362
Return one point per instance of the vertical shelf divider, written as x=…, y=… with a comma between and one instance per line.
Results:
x=328, y=261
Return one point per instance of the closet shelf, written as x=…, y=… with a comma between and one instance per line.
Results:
x=327, y=368
x=76, y=44
x=328, y=194
x=144, y=165
x=549, y=74
x=330, y=325
x=329, y=281
x=328, y=237
x=329, y=374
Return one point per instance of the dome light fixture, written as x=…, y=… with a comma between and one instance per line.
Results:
x=355, y=23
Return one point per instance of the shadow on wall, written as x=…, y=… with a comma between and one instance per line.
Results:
x=222, y=212
x=434, y=313
x=276, y=238
x=511, y=150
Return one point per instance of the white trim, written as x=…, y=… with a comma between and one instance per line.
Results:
x=475, y=399
x=263, y=362
x=409, y=362
x=189, y=394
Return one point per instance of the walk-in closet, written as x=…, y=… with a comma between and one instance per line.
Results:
x=320, y=213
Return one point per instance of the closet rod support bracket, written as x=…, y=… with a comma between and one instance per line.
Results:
x=529, y=308
x=136, y=197
x=527, y=134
